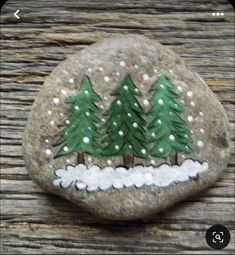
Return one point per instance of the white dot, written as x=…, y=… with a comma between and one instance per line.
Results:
x=86, y=92
x=155, y=71
x=125, y=87
x=189, y=93
x=121, y=133
x=136, y=66
x=101, y=69
x=136, y=90
x=135, y=125
x=117, y=73
x=160, y=101
x=182, y=101
x=48, y=152
x=61, y=114
x=162, y=86
x=192, y=103
x=122, y=63
x=63, y=92
x=52, y=122
x=159, y=121
x=201, y=113
x=146, y=102
x=153, y=162
x=145, y=77
x=109, y=162
x=153, y=135
x=49, y=112
x=76, y=107
x=119, y=102
x=200, y=144
x=143, y=151
x=89, y=159
x=186, y=136
x=179, y=88
x=213, y=14
x=66, y=148
x=222, y=14
x=161, y=150
x=89, y=128
x=106, y=78
x=105, y=98
x=86, y=139
x=87, y=114
x=103, y=120
x=129, y=114
x=115, y=123
x=71, y=80
x=130, y=146
x=170, y=71
x=202, y=130
x=67, y=122
x=56, y=100
x=116, y=147
x=190, y=119
x=135, y=104
x=101, y=106
x=172, y=137
x=47, y=141
x=191, y=131
x=217, y=14
x=89, y=70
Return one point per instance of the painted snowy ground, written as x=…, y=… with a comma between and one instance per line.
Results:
x=93, y=178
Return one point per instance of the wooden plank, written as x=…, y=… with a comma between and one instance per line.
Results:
x=34, y=222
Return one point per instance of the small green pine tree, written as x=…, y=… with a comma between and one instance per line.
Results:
x=166, y=129
x=80, y=134
x=125, y=126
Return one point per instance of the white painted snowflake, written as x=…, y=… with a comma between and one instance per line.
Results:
x=189, y=93
x=190, y=119
x=146, y=102
x=71, y=80
x=122, y=63
x=145, y=77
x=86, y=139
x=200, y=144
x=106, y=78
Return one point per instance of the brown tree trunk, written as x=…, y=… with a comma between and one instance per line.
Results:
x=128, y=160
x=173, y=159
x=80, y=158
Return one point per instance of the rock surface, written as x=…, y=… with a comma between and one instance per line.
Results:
x=106, y=63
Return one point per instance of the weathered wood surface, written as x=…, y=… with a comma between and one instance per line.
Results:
x=35, y=222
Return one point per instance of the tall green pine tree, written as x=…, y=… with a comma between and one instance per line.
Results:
x=125, y=126
x=80, y=134
x=166, y=129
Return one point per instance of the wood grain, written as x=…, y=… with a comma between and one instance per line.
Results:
x=34, y=222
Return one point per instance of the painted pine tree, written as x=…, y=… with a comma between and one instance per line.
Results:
x=125, y=126
x=166, y=129
x=80, y=133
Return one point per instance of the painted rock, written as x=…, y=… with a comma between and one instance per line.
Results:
x=125, y=130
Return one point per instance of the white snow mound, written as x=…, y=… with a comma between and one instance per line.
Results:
x=92, y=178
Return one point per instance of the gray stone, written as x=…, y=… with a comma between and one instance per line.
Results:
x=106, y=62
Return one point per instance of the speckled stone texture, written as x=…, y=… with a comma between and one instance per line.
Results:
x=106, y=62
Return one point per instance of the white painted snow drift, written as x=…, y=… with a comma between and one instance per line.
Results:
x=92, y=178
